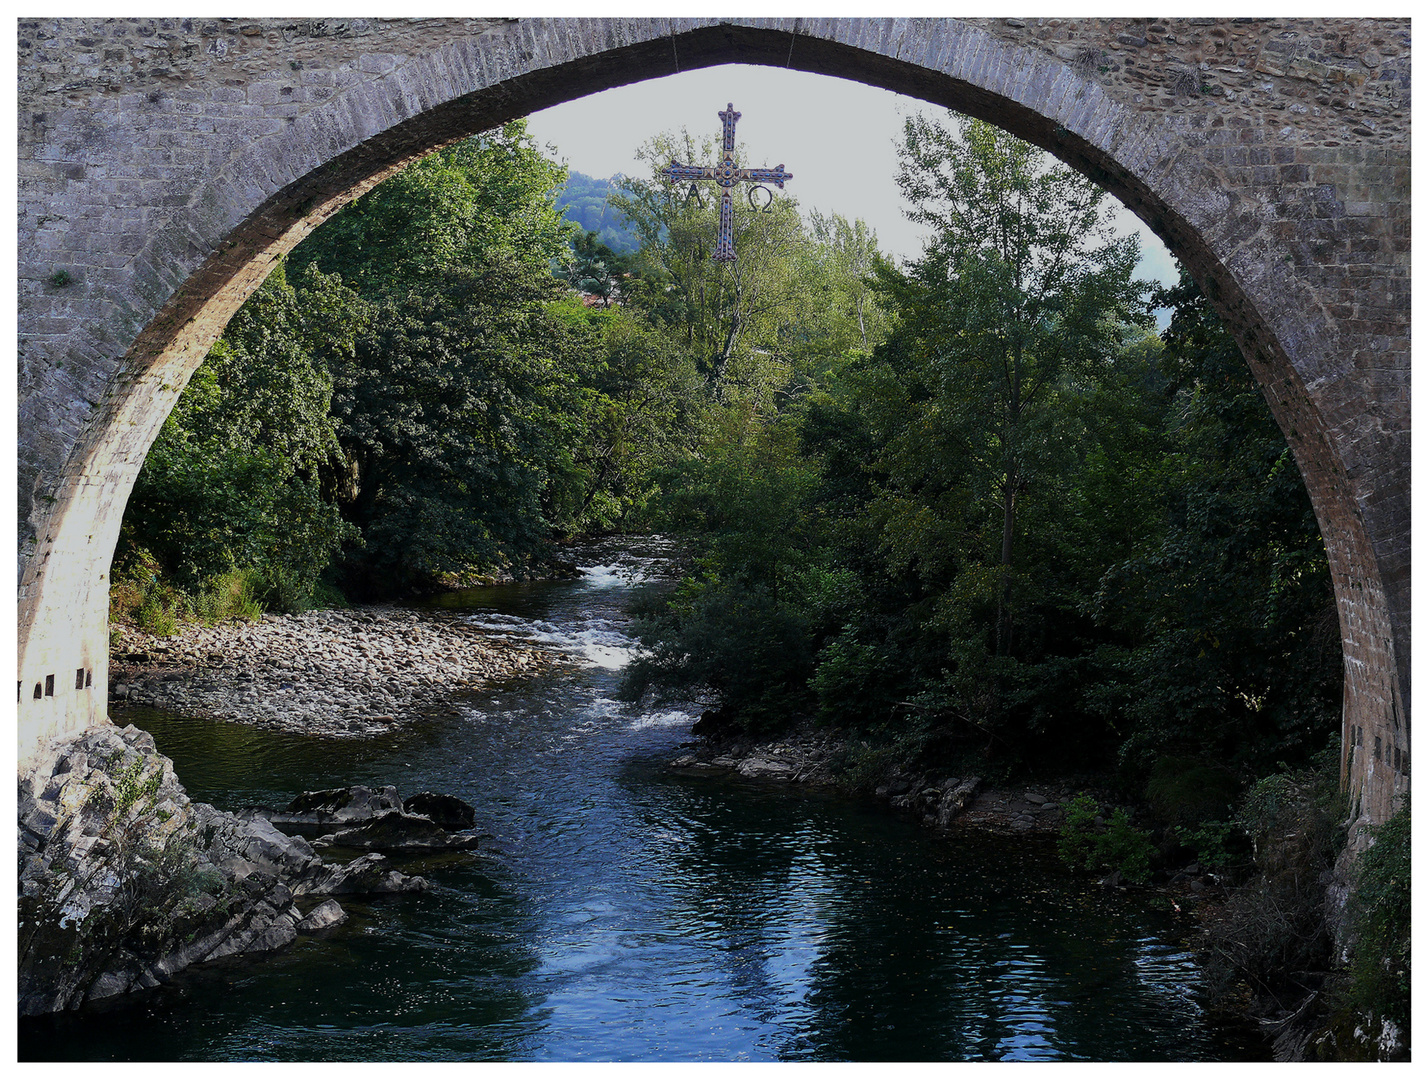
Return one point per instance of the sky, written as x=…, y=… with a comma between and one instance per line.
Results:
x=835, y=136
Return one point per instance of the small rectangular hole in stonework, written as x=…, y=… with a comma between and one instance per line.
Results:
x=89, y=678
x=49, y=686
x=79, y=679
x=1377, y=748
x=19, y=690
x=39, y=691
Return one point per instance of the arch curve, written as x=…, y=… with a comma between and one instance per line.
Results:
x=164, y=199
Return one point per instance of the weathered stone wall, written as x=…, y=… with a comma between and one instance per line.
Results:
x=164, y=164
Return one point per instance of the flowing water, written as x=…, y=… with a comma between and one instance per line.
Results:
x=620, y=912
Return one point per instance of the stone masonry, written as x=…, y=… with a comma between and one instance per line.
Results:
x=164, y=164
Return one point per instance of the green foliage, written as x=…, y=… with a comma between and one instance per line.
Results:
x=1213, y=843
x=742, y=321
x=453, y=413
x=489, y=194
x=132, y=787
x=231, y=485
x=729, y=643
x=1117, y=847
x=1224, y=618
x=1185, y=791
x=1380, y=917
x=409, y=398
x=592, y=268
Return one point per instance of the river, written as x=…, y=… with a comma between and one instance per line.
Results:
x=621, y=912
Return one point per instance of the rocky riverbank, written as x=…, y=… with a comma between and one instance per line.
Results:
x=338, y=672
x=809, y=756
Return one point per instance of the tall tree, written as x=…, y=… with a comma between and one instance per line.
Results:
x=1020, y=295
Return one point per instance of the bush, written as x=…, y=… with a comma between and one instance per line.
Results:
x=1187, y=791
x=1117, y=847
x=1275, y=924
x=1380, y=913
x=731, y=642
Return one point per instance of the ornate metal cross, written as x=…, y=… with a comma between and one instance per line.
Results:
x=726, y=174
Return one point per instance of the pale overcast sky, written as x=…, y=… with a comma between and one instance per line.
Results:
x=833, y=135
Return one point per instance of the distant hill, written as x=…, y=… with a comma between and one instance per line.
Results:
x=584, y=201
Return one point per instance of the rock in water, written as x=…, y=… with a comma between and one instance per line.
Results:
x=325, y=916
x=955, y=798
x=124, y=881
x=396, y=831
x=445, y=810
x=377, y=820
x=761, y=767
x=356, y=803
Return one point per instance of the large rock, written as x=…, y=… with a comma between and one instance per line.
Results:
x=123, y=881
x=445, y=810
x=956, y=794
x=399, y=832
x=315, y=812
x=377, y=820
x=325, y=916
x=766, y=767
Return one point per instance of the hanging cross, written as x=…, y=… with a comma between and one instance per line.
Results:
x=726, y=175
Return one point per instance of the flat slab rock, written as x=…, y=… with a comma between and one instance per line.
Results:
x=377, y=819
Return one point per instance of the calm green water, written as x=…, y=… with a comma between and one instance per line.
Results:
x=623, y=913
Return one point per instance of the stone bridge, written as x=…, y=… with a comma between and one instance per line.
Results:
x=164, y=164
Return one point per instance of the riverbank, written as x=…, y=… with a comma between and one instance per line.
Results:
x=819, y=758
x=343, y=672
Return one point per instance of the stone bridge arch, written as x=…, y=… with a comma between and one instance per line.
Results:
x=166, y=163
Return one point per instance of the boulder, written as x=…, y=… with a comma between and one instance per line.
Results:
x=123, y=881
x=447, y=811
x=399, y=832
x=364, y=875
x=955, y=797
x=325, y=916
x=760, y=767
x=315, y=812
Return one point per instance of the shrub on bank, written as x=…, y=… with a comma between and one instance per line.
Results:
x=1090, y=842
x=1273, y=930
x=1380, y=964
x=142, y=597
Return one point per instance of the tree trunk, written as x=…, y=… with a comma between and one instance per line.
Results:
x=1004, y=600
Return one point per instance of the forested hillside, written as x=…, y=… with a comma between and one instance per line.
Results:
x=584, y=201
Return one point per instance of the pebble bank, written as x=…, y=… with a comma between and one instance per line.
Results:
x=337, y=672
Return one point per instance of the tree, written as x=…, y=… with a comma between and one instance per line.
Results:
x=494, y=191
x=1019, y=297
x=1222, y=623
x=458, y=414
x=233, y=482
x=592, y=268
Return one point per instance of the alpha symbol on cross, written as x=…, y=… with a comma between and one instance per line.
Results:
x=726, y=174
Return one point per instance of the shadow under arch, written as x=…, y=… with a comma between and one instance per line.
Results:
x=191, y=276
